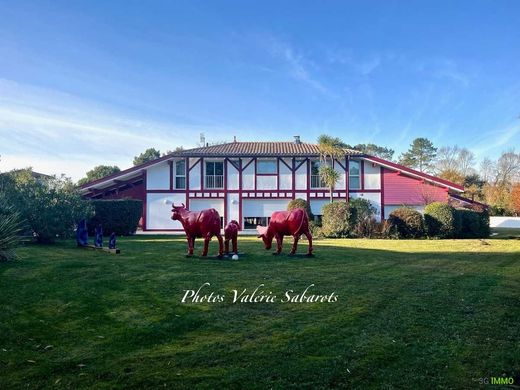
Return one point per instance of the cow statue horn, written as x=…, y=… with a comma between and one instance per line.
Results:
x=183, y=206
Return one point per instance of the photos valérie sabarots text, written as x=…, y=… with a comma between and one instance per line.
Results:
x=258, y=295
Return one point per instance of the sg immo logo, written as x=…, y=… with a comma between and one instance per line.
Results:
x=497, y=380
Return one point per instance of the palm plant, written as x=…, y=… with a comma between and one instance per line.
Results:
x=330, y=148
x=10, y=228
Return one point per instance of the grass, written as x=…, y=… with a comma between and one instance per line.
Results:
x=505, y=233
x=410, y=314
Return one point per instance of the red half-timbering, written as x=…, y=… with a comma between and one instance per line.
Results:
x=385, y=183
x=401, y=189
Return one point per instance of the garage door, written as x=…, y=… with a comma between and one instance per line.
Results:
x=203, y=204
x=263, y=207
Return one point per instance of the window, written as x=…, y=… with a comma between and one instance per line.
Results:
x=253, y=222
x=214, y=174
x=180, y=174
x=266, y=167
x=316, y=181
x=354, y=182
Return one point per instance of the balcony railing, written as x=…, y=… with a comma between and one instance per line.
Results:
x=214, y=181
x=316, y=182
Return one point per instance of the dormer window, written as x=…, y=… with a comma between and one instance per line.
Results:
x=266, y=167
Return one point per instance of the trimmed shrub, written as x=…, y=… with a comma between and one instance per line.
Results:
x=51, y=206
x=336, y=221
x=472, y=224
x=300, y=203
x=119, y=216
x=440, y=221
x=405, y=222
x=363, y=221
x=316, y=230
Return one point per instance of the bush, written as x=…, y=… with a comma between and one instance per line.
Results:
x=316, y=230
x=440, y=221
x=363, y=221
x=119, y=216
x=472, y=224
x=10, y=229
x=336, y=221
x=405, y=222
x=51, y=206
x=300, y=203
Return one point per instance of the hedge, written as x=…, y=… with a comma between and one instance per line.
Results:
x=120, y=216
x=406, y=222
x=336, y=220
x=472, y=224
x=300, y=203
x=440, y=220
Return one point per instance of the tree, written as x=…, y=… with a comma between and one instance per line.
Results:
x=330, y=148
x=452, y=175
x=148, y=155
x=503, y=172
x=515, y=198
x=473, y=185
x=176, y=150
x=420, y=155
x=99, y=172
x=375, y=150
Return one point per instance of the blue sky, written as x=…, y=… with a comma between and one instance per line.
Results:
x=88, y=83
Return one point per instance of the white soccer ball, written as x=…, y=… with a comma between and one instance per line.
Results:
x=234, y=257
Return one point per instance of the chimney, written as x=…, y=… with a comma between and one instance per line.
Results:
x=234, y=138
x=297, y=139
x=202, y=139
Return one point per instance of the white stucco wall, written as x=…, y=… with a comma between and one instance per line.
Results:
x=266, y=182
x=301, y=177
x=232, y=177
x=248, y=175
x=158, y=177
x=233, y=209
x=158, y=214
x=195, y=174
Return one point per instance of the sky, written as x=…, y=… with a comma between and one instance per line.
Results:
x=84, y=83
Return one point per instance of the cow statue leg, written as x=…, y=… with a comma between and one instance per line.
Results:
x=226, y=244
x=191, y=244
x=235, y=244
x=295, y=244
x=220, y=245
x=279, y=243
x=207, y=239
x=309, y=238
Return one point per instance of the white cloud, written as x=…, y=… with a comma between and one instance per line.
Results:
x=56, y=133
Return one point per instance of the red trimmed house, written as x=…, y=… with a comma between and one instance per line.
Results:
x=247, y=181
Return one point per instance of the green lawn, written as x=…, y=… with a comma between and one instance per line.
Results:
x=410, y=314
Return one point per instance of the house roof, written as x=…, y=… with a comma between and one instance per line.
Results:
x=258, y=149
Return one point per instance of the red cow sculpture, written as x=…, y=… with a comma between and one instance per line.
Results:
x=205, y=224
x=286, y=223
x=231, y=234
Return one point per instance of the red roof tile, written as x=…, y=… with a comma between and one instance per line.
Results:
x=259, y=149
